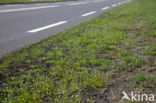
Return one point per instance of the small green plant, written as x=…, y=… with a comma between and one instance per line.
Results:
x=144, y=80
x=96, y=80
x=133, y=61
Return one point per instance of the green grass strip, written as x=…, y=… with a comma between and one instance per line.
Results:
x=65, y=68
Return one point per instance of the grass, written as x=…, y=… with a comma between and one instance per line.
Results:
x=144, y=80
x=29, y=1
x=92, y=60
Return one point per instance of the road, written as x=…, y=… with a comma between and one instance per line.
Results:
x=25, y=24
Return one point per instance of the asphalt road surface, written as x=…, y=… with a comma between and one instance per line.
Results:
x=25, y=24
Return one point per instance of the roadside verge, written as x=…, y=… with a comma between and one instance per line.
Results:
x=94, y=61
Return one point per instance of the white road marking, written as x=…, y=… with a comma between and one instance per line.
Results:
x=119, y=3
x=127, y=0
x=105, y=8
x=114, y=5
x=78, y=3
x=24, y=9
x=86, y=14
x=98, y=1
x=47, y=27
